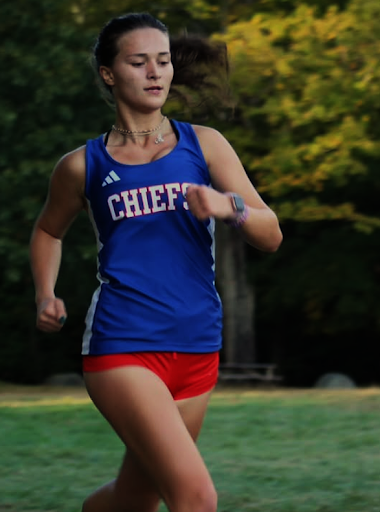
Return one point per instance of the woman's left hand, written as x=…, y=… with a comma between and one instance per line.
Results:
x=205, y=202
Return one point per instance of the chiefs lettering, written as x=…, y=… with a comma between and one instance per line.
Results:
x=148, y=200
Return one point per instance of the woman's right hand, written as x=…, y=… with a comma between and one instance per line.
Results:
x=51, y=314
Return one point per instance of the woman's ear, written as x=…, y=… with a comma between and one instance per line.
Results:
x=106, y=75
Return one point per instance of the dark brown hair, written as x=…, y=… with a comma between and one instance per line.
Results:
x=199, y=64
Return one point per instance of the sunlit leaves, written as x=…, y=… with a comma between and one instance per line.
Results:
x=314, y=84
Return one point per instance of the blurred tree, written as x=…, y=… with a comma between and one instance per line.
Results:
x=306, y=82
x=233, y=11
x=47, y=99
x=199, y=16
x=307, y=127
x=309, y=91
x=49, y=105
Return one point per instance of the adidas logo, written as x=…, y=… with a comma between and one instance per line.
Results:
x=111, y=178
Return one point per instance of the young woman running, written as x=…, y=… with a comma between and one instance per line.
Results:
x=152, y=188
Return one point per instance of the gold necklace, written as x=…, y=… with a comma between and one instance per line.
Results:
x=141, y=133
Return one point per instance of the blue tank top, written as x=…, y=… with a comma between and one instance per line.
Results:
x=155, y=259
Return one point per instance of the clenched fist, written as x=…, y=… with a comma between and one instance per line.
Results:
x=51, y=315
x=205, y=202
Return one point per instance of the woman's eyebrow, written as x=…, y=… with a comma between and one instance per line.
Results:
x=145, y=54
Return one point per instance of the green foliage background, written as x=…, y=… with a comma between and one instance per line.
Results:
x=308, y=94
x=305, y=77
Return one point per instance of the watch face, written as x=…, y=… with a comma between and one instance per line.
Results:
x=239, y=203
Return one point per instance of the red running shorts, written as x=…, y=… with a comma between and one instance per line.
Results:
x=186, y=375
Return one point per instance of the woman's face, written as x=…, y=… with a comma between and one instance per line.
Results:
x=141, y=73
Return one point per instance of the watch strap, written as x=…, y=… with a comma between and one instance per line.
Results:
x=241, y=210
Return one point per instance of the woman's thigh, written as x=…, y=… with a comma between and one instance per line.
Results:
x=162, y=459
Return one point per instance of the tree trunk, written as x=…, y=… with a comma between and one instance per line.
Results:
x=237, y=296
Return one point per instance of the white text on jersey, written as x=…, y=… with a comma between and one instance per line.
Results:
x=147, y=200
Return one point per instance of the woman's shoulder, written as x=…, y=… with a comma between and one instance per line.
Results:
x=200, y=130
x=74, y=157
x=211, y=141
x=206, y=132
x=70, y=171
x=73, y=162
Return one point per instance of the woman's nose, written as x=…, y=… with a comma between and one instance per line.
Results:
x=153, y=70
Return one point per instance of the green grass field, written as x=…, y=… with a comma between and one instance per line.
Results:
x=268, y=451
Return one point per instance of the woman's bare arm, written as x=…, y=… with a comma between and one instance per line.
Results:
x=65, y=200
x=261, y=229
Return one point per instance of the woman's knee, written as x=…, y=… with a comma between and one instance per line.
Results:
x=101, y=500
x=198, y=496
x=129, y=492
x=205, y=499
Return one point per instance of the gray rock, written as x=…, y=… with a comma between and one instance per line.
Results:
x=335, y=381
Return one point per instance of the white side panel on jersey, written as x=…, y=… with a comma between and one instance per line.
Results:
x=89, y=321
x=91, y=311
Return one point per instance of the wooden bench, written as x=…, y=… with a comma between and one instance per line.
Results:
x=248, y=372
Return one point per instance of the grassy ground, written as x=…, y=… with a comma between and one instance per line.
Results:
x=268, y=451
